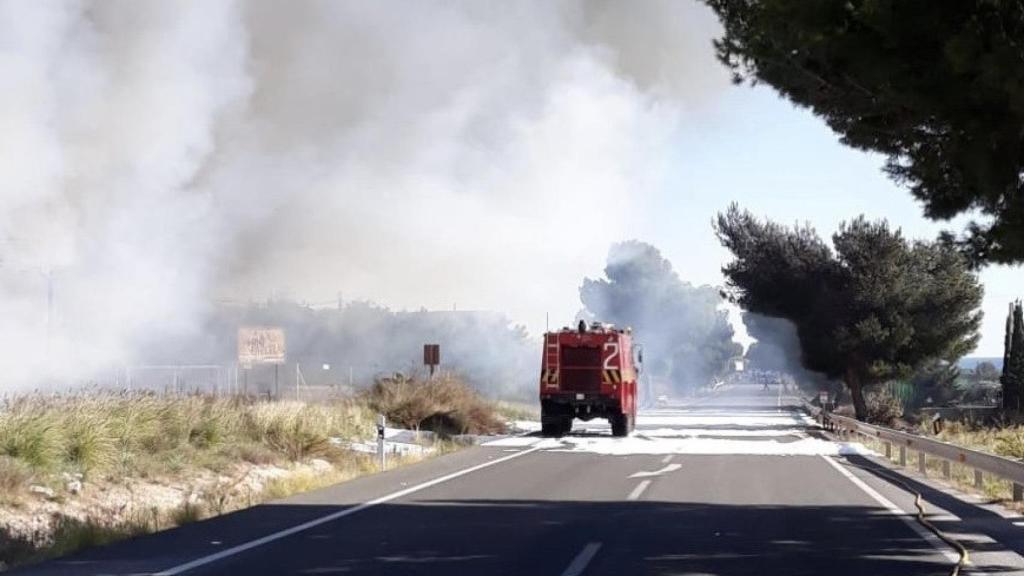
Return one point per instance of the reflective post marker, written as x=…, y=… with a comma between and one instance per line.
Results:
x=381, y=422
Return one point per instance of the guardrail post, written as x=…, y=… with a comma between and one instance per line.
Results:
x=922, y=464
x=888, y=450
x=979, y=479
x=903, y=455
x=947, y=470
x=1018, y=492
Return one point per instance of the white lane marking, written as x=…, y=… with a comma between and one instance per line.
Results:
x=668, y=468
x=895, y=510
x=638, y=490
x=331, y=517
x=579, y=563
x=667, y=459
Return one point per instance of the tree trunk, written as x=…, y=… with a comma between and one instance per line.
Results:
x=860, y=407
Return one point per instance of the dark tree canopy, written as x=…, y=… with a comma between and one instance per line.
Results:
x=935, y=85
x=687, y=339
x=875, y=307
x=1013, y=365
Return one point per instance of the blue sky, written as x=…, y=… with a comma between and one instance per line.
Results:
x=781, y=162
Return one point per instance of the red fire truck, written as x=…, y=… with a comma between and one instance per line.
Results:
x=590, y=372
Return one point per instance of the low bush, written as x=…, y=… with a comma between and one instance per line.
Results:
x=883, y=407
x=444, y=404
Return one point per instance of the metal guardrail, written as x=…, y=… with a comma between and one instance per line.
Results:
x=981, y=462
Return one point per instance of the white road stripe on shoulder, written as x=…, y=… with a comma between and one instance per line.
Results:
x=579, y=563
x=895, y=510
x=234, y=550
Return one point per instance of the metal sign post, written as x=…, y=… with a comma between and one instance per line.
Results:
x=381, y=423
x=260, y=346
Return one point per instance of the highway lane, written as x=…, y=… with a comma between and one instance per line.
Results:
x=729, y=484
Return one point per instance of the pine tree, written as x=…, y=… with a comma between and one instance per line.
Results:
x=876, y=307
x=936, y=87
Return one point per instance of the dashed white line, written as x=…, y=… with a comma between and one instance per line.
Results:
x=579, y=563
x=667, y=459
x=331, y=517
x=638, y=490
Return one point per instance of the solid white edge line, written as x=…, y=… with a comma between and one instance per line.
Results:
x=579, y=563
x=181, y=568
x=895, y=510
x=638, y=490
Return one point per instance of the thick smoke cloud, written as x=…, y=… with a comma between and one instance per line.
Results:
x=687, y=337
x=157, y=156
x=777, y=348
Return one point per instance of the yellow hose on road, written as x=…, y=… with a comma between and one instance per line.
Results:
x=965, y=556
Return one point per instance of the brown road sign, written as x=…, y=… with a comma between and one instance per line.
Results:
x=431, y=354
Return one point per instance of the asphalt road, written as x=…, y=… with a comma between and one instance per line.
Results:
x=734, y=483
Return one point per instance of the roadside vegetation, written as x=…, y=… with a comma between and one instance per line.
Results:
x=864, y=306
x=78, y=470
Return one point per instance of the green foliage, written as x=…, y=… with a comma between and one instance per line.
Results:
x=937, y=87
x=686, y=337
x=877, y=308
x=29, y=434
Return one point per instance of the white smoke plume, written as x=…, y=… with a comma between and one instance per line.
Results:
x=157, y=156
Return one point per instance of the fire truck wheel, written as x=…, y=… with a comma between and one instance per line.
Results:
x=552, y=426
x=566, y=425
x=620, y=425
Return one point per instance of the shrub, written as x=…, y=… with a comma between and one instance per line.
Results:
x=88, y=442
x=297, y=430
x=28, y=433
x=445, y=404
x=883, y=407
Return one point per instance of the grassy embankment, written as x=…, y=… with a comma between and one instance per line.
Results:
x=1007, y=441
x=79, y=470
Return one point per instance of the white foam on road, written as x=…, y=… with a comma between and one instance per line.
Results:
x=758, y=420
x=727, y=432
x=637, y=445
x=665, y=432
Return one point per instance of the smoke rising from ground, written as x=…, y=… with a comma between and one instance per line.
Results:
x=687, y=337
x=158, y=156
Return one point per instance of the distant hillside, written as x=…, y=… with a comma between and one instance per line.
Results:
x=970, y=362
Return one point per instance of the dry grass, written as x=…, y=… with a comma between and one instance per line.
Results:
x=110, y=438
x=517, y=410
x=962, y=477
x=444, y=404
x=105, y=433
